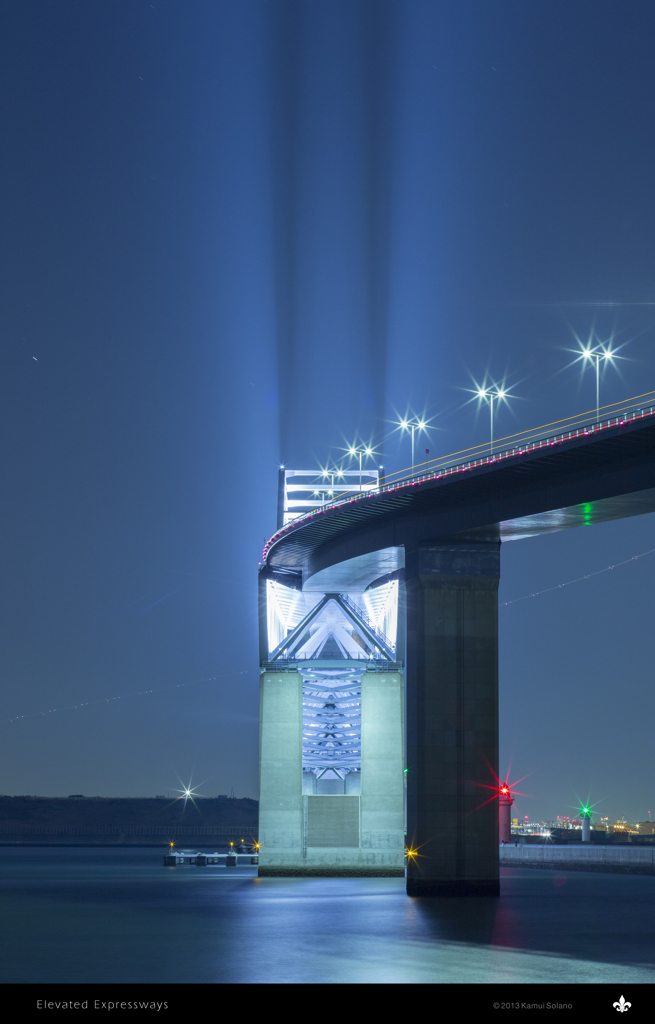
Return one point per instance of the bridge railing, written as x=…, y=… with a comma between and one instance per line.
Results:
x=521, y=443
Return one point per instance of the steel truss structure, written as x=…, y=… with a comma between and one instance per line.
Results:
x=331, y=719
x=332, y=639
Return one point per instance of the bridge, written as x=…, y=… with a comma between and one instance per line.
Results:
x=440, y=529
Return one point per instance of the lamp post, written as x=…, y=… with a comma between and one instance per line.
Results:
x=331, y=474
x=595, y=354
x=413, y=425
x=490, y=393
x=360, y=452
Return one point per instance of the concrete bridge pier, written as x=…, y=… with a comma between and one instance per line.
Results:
x=280, y=756
x=452, y=718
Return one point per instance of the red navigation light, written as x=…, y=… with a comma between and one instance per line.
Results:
x=504, y=791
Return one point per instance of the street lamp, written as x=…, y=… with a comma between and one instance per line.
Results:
x=594, y=353
x=490, y=393
x=331, y=475
x=413, y=425
x=360, y=452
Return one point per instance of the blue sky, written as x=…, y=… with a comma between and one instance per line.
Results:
x=239, y=234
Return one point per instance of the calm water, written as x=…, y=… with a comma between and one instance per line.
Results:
x=118, y=915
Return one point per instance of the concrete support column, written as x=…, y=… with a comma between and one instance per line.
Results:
x=280, y=771
x=382, y=794
x=452, y=718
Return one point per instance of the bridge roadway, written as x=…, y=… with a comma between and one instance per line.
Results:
x=443, y=528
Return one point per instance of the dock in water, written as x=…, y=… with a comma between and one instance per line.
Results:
x=220, y=860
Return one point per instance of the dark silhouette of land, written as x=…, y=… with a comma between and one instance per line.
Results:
x=79, y=820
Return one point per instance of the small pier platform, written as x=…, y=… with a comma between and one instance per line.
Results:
x=219, y=860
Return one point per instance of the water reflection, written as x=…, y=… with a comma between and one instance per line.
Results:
x=117, y=915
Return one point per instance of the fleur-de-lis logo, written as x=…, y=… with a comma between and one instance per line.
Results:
x=621, y=1006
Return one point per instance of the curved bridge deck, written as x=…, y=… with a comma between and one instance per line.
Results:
x=443, y=527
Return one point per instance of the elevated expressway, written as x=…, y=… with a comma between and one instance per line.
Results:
x=442, y=530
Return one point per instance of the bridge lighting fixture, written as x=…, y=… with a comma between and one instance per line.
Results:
x=413, y=426
x=594, y=354
x=492, y=393
x=359, y=452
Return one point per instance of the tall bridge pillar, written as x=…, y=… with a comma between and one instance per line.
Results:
x=280, y=756
x=382, y=797
x=452, y=718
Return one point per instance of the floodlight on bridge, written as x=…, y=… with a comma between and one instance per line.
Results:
x=596, y=354
x=413, y=425
x=492, y=394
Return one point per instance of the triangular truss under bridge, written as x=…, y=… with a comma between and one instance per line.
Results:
x=335, y=629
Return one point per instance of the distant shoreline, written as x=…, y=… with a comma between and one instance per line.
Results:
x=113, y=846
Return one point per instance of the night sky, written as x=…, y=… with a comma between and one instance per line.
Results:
x=242, y=233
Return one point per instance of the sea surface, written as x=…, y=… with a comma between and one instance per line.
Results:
x=119, y=916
